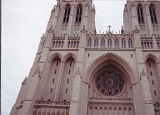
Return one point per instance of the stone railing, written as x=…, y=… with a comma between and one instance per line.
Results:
x=110, y=99
x=56, y=103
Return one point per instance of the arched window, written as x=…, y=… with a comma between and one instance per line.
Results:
x=59, y=44
x=140, y=13
x=79, y=14
x=158, y=45
x=89, y=42
x=68, y=44
x=66, y=14
x=77, y=44
x=74, y=44
x=116, y=43
x=130, y=43
x=152, y=13
x=142, y=45
x=71, y=44
x=102, y=42
x=53, y=43
x=95, y=42
x=56, y=44
x=123, y=43
x=109, y=43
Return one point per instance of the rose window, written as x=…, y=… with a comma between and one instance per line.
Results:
x=109, y=82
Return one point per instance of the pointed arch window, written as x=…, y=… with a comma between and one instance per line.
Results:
x=109, y=43
x=89, y=42
x=130, y=43
x=123, y=43
x=102, y=42
x=152, y=13
x=66, y=14
x=140, y=13
x=116, y=43
x=79, y=14
x=96, y=42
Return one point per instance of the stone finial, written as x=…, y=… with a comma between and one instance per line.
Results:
x=24, y=81
x=136, y=30
x=109, y=28
x=83, y=29
x=122, y=30
x=93, y=8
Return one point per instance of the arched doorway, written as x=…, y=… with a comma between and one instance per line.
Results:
x=110, y=87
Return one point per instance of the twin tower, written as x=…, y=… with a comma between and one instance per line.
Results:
x=77, y=71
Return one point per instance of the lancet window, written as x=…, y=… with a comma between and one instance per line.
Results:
x=140, y=13
x=109, y=43
x=89, y=42
x=123, y=43
x=158, y=45
x=130, y=43
x=96, y=42
x=116, y=43
x=152, y=13
x=79, y=14
x=66, y=14
x=102, y=42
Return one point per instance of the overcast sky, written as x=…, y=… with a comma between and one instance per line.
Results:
x=23, y=23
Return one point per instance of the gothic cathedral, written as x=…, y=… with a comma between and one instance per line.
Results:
x=77, y=71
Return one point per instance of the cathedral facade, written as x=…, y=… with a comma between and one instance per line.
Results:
x=77, y=71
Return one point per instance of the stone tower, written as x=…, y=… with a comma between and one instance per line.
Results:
x=79, y=72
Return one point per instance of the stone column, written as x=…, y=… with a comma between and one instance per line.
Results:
x=154, y=43
x=120, y=43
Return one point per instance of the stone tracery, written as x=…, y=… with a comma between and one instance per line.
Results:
x=109, y=82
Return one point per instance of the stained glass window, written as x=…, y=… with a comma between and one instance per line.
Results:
x=109, y=82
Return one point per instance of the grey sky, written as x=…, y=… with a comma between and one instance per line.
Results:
x=23, y=23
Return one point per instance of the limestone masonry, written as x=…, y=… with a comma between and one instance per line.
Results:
x=77, y=71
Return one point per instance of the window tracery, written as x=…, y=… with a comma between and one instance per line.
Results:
x=140, y=13
x=152, y=13
x=130, y=43
x=66, y=14
x=89, y=42
x=96, y=42
x=116, y=42
x=109, y=82
x=109, y=43
x=123, y=43
x=79, y=14
x=102, y=42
